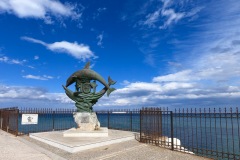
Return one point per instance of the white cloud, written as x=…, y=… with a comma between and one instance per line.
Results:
x=23, y=93
x=36, y=57
x=150, y=59
x=100, y=40
x=79, y=51
x=125, y=82
x=152, y=18
x=44, y=77
x=8, y=60
x=99, y=11
x=185, y=75
x=167, y=15
x=171, y=94
x=39, y=9
x=172, y=17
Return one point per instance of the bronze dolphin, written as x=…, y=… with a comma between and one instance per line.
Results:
x=87, y=73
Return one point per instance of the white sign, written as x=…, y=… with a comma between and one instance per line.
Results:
x=29, y=118
x=119, y=112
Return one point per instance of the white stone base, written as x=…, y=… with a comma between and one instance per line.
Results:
x=78, y=144
x=86, y=121
x=73, y=132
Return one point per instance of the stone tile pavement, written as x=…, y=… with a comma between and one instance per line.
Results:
x=24, y=148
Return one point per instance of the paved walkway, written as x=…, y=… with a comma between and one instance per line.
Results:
x=25, y=148
x=12, y=148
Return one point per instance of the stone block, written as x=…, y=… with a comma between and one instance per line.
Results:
x=86, y=121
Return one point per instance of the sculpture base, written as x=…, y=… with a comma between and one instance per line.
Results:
x=86, y=121
x=73, y=132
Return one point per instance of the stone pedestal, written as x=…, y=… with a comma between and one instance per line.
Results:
x=86, y=121
x=88, y=126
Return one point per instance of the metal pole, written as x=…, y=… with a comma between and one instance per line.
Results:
x=171, y=113
x=1, y=118
x=131, y=119
x=140, y=125
x=17, y=121
x=108, y=119
x=7, y=120
x=53, y=115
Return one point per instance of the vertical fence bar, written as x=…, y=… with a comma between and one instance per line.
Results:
x=184, y=126
x=206, y=135
x=17, y=121
x=196, y=116
x=188, y=133
x=1, y=119
x=108, y=120
x=7, y=120
x=210, y=118
x=220, y=112
x=226, y=118
x=53, y=120
x=215, y=133
x=238, y=131
x=232, y=133
x=171, y=113
x=200, y=119
x=131, y=117
x=192, y=129
x=141, y=125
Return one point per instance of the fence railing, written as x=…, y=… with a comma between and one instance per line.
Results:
x=9, y=120
x=213, y=133
x=62, y=119
x=204, y=132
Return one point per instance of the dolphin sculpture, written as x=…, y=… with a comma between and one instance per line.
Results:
x=87, y=73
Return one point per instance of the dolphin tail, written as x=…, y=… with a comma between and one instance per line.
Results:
x=87, y=65
x=110, y=90
x=110, y=81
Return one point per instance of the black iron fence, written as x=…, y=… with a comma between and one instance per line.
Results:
x=120, y=119
x=211, y=133
x=156, y=127
x=62, y=119
x=204, y=132
x=9, y=120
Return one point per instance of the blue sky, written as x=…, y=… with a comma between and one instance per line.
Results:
x=161, y=52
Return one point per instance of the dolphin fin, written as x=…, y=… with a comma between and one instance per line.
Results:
x=110, y=90
x=87, y=65
x=110, y=81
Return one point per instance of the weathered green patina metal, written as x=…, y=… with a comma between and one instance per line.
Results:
x=85, y=95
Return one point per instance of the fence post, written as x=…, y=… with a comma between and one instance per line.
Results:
x=7, y=121
x=17, y=122
x=140, y=125
x=131, y=120
x=53, y=115
x=108, y=119
x=1, y=119
x=171, y=113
